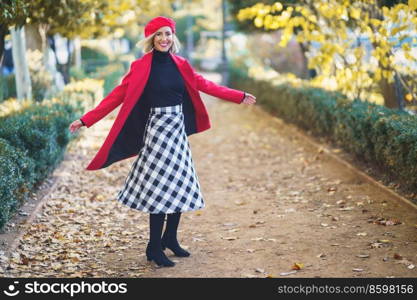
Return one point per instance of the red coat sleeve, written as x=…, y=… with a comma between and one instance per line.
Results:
x=110, y=102
x=216, y=90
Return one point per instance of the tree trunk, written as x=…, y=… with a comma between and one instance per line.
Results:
x=62, y=62
x=306, y=72
x=388, y=91
x=3, y=32
x=22, y=77
x=51, y=49
x=64, y=67
x=33, y=37
x=225, y=69
x=190, y=40
x=77, y=53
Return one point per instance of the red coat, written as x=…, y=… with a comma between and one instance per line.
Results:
x=125, y=136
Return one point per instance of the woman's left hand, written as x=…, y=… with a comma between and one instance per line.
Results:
x=249, y=99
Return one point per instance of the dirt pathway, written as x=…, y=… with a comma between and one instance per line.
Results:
x=272, y=201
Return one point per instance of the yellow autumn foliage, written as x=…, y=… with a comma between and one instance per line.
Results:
x=337, y=26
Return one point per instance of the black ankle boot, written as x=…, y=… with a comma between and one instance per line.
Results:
x=154, y=250
x=174, y=247
x=159, y=257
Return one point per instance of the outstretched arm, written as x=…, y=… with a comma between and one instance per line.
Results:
x=216, y=90
x=109, y=103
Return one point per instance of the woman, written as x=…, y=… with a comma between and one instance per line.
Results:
x=161, y=107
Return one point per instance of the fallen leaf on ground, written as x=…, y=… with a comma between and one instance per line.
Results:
x=397, y=256
x=297, y=266
x=287, y=273
x=195, y=239
x=384, y=221
x=229, y=238
x=384, y=241
x=346, y=208
x=380, y=243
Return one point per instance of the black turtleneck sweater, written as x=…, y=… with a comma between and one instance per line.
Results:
x=165, y=86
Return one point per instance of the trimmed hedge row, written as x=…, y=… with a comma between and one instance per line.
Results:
x=32, y=143
x=376, y=134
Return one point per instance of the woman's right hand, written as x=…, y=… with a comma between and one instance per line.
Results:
x=74, y=126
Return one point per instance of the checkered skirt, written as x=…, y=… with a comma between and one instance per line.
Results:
x=163, y=178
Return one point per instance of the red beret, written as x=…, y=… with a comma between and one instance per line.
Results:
x=158, y=22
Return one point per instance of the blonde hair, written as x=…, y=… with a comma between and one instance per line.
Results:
x=146, y=44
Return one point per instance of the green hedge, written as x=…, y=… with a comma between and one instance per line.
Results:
x=384, y=137
x=16, y=180
x=8, y=87
x=40, y=81
x=112, y=75
x=33, y=140
x=93, y=58
x=113, y=72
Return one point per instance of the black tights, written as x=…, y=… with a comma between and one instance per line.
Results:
x=171, y=228
x=156, y=223
x=169, y=238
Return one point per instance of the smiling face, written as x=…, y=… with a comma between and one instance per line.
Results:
x=163, y=39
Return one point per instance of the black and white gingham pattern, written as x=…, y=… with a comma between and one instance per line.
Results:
x=163, y=178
